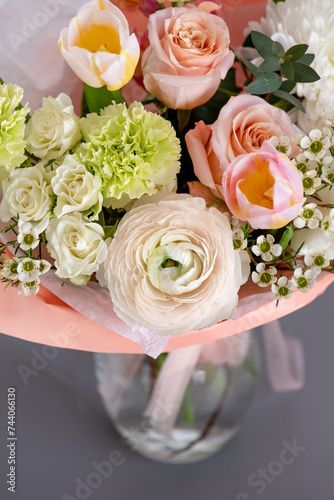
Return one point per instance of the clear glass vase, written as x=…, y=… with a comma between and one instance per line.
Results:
x=184, y=406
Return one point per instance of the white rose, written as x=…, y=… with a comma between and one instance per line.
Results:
x=171, y=265
x=77, y=246
x=77, y=190
x=27, y=194
x=53, y=129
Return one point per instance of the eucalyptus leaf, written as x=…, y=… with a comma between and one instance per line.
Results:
x=270, y=64
x=277, y=49
x=264, y=84
x=288, y=71
x=296, y=52
x=252, y=68
x=287, y=85
x=307, y=59
x=290, y=98
x=304, y=73
x=262, y=43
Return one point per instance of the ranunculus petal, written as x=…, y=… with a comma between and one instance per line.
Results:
x=171, y=265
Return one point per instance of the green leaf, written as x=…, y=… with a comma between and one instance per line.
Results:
x=97, y=99
x=270, y=64
x=248, y=41
x=296, y=52
x=252, y=68
x=307, y=59
x=109, y=231
x=262, y=43
x=287, y=85
x=304, y=73
x=277, y=49
x=290, y=98
x=286, y=237
x=265, y=84
x=288, y=71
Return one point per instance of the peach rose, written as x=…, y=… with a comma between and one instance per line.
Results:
x=263, y=188
x=98, y=46
x=243, y=125
x=188, y=56
x=206, y=164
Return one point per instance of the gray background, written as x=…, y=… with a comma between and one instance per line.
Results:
x=63, y=428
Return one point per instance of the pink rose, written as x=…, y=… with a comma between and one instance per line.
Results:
x=187, y=58
x=206, y=164
x=263, y=188
x=243, y=125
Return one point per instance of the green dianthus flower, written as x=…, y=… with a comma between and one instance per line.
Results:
x=134, y=151
x=12, y=127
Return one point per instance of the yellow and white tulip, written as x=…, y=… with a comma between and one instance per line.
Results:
x=98, y=46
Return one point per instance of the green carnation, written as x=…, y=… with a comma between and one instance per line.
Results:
x=134, y=151
x=12, y=126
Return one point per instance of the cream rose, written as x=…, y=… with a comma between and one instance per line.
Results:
x=27, y=194
x=77, y=190
x=77, y=246
x=171, y=266
x=189, y=54
x=53, y=129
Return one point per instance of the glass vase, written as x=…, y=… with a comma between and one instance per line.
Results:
x=183, y=406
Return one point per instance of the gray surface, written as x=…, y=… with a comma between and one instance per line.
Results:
x=63, y=429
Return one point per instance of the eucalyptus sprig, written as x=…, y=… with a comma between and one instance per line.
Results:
x=280, y=70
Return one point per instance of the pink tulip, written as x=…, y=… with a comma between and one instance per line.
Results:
x=187, y=58
x=98, y=46
x=263, y=188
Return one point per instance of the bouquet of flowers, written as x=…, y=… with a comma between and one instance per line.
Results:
x=187, y=180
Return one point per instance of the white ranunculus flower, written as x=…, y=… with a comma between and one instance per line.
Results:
x=77, y=190
x=171, y=265
x=77, y=246
x=53, y=129
x=27, y=194
x=312, y=22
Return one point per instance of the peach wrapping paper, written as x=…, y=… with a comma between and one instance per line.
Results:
x=46, y=319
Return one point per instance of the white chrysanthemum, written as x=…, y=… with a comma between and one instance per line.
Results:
x=311, y=22
x=171, y=266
